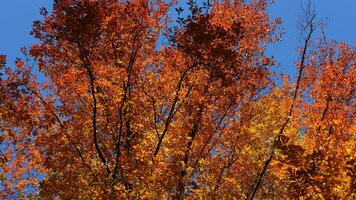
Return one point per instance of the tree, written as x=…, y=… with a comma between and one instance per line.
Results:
x=124, y=115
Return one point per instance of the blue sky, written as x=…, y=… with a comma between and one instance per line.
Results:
x=16, y=17
x=339, y=17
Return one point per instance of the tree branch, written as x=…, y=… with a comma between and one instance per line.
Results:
x=260, y=175
x=171, y=112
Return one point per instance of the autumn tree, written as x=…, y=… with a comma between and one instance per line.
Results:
x=139, y=104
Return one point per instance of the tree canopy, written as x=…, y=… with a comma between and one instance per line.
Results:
x=137, y=106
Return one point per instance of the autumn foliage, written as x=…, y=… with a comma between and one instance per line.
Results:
x=139, y=104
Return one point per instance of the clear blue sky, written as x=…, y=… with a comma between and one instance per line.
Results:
x=16, y=18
